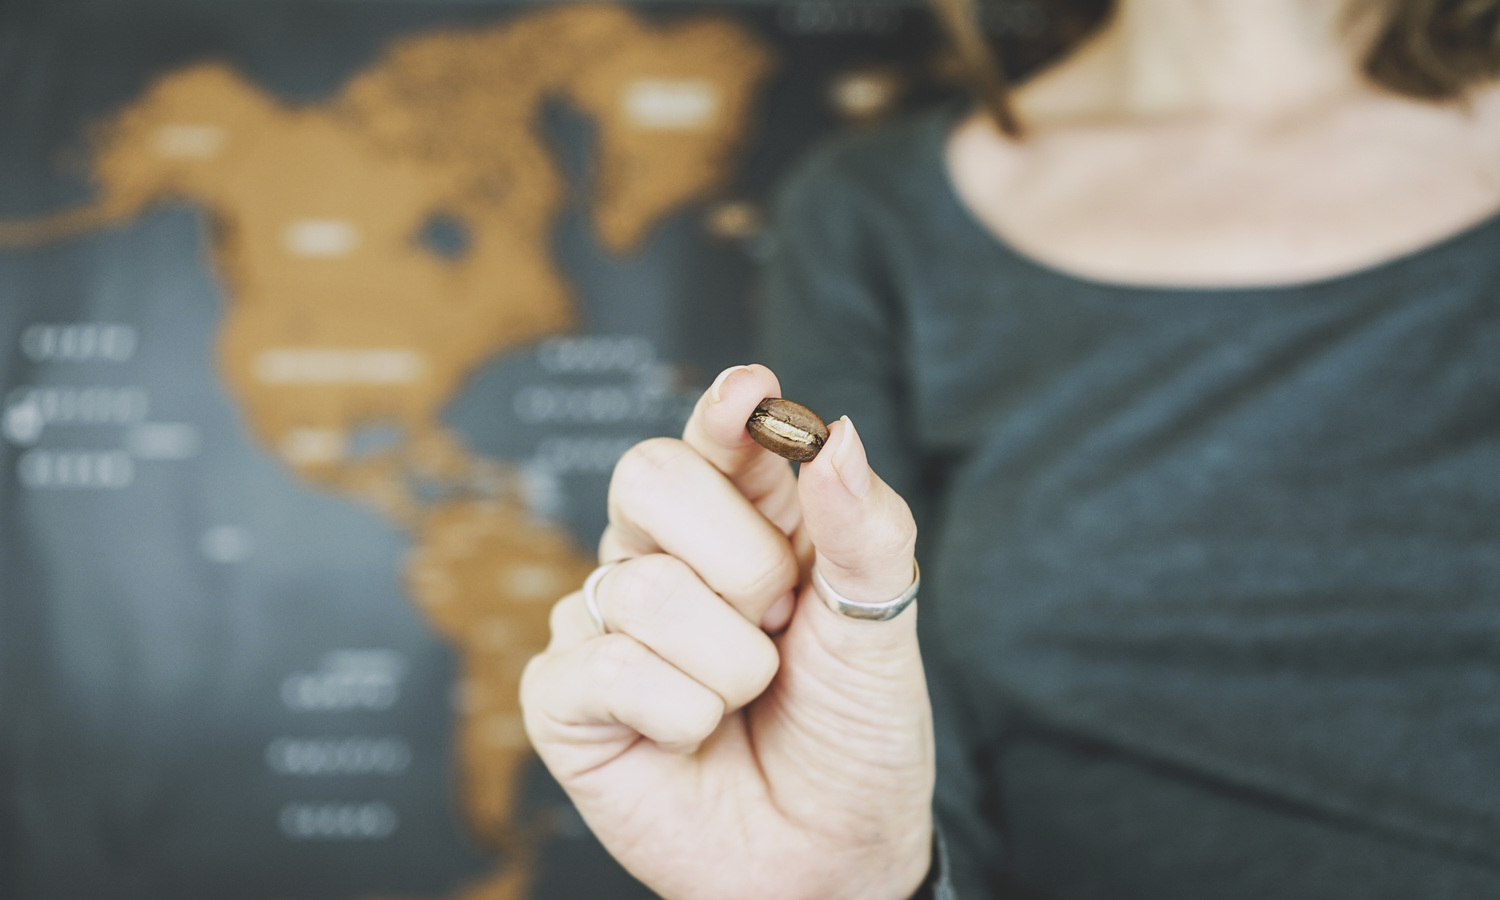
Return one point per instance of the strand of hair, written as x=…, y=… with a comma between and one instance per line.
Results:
x=980, y=61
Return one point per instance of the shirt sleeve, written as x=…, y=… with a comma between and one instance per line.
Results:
x=833, y=328
x=939, y=883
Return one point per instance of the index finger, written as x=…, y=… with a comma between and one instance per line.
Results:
x=716, y=430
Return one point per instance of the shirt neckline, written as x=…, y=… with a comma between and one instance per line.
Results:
x=943, y=126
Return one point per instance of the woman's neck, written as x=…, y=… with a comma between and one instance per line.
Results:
x=1226, y=142
x=1172, y=58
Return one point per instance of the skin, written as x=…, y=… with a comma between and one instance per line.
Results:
x=733, y=738
x=712, y=759
x=1221, y=143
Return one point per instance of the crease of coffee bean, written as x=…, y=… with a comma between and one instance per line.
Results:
x=788, y=429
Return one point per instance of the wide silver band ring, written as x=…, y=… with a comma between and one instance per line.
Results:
x=591, y=595
x=869, y=612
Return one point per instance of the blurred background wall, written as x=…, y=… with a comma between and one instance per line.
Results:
x=322, y=323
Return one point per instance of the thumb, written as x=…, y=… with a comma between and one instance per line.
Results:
x=863, y=531
x=856, y=688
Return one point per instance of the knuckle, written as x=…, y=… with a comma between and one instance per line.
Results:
x=766, y=579
x=529, y=688
x=642, y=590
x=641, y=468
x=557, y=616
x=766, y=662
x=757, y=666
x=694, y=720
x=896, y=535
x=538, y=696
x=610, y=656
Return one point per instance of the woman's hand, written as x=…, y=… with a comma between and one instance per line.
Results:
x=712, y=759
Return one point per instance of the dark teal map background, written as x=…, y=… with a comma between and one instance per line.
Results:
x=145, y=650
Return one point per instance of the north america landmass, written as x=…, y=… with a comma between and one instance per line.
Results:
x=344, y=315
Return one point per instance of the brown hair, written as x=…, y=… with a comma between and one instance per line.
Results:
x=1430, y=49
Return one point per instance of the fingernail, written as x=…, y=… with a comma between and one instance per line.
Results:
x=779, y=614
x=849, y=460
x=713, y=392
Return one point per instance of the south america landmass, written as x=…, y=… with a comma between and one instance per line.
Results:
x=342, y=319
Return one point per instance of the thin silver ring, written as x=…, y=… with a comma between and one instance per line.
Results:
x=869, y=612
x=590, y=595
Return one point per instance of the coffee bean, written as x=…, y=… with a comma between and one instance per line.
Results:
x=787, y=429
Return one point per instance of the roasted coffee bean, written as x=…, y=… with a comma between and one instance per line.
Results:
x=787, y=429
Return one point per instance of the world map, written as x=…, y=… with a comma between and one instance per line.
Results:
x=377, y=247
x=322, y=325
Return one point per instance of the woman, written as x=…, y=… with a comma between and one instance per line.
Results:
x=1192, y=382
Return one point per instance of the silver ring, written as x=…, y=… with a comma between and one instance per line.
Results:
x=869, y=612
x=590, y=597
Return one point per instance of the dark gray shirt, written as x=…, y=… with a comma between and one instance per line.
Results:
x=1211, y=599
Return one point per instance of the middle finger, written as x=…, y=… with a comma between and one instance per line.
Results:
x=665, y=496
